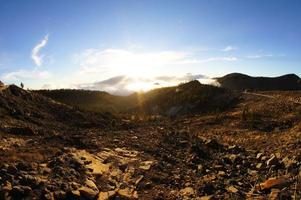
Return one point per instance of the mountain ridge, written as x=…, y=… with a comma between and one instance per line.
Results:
x=238, y=81
x=186, y=98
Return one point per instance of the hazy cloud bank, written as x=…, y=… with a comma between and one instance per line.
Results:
x=124, y=85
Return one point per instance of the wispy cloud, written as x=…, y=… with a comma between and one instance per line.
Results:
x=35, y=54
x=259, y=56
x=229, y=48
x=228, y=59
x=211, y=59
x=25, y=75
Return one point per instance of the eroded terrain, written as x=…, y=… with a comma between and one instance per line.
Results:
x=52, y=151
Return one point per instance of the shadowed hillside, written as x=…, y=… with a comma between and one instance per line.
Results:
x=189, y=98
x=237, y=81
x=31, y=112
x=92, y=100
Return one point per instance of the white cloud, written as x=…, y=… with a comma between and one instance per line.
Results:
x=229, y=48
x=121, y=61
x=35, y=54
x=25, y=75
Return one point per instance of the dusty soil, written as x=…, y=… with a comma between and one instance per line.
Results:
x=249, y=152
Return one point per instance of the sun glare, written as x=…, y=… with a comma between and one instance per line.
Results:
x=140, y=86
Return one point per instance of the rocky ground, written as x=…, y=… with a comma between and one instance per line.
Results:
x=249, y=152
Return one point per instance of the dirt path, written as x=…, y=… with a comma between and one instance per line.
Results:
x=271, y=97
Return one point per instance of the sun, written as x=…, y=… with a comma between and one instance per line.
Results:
x=140, y=86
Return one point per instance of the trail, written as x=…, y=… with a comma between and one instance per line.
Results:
x=290, y=99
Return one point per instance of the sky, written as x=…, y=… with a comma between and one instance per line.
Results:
x=127, y=45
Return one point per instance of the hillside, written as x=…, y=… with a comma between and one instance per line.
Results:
x=237, y=81
x=91, y=100
x=25, y=110
x=49, y=150
x=189, y=98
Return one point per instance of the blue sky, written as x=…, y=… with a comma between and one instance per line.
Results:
x=73, y=43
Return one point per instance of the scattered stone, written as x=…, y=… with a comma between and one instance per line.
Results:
x=234, y=158
x=146, y=165
x=29, y=181
x=128, y=193
x=259, y=155
x=49, y=196
x=106, y=195
x=264, y=158
x=273, y=161
x=209, y=197
x=200, y=168
x=234, y=149
x=139, y=179
x=12, y=169
x=87, y=192
x=232, y=189
x=59, y=194
x=221, y=173
x=259, y=166
x=278, y=155
x=275, y=194
x=91, y=185
x=187, y=192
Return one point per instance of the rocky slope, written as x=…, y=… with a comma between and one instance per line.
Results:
x=249, y=151
x=32, y=113
x=237, y=81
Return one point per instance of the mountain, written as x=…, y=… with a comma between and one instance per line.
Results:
x=237, y=81
x=189, y=98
